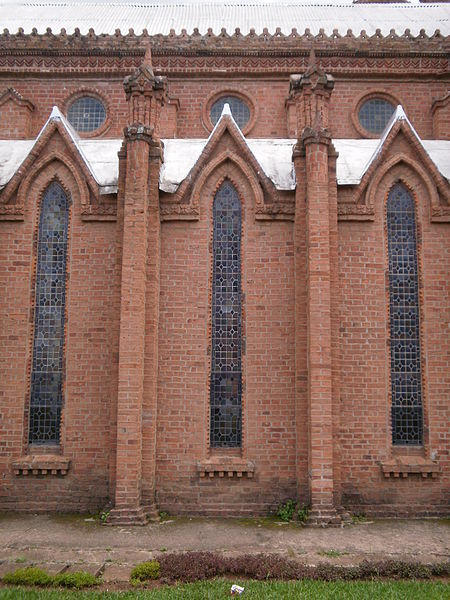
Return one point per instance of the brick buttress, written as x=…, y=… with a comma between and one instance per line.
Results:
x=140, y=158
x=315, y=229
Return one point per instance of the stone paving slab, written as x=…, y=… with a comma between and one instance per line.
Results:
x=8, y=567
x=95, y=569
x=85, y=544
x=115, y=573
x=52, y=568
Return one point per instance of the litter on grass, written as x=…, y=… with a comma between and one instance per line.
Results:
x=236, y=589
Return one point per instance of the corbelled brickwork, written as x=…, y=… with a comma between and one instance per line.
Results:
x=315, y=290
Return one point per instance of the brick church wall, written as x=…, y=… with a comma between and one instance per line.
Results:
x=91, y=356
x=273, y=440
x=194, y=95
x=365, y=438
x=268, y=365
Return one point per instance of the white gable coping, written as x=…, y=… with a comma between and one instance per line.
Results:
x=100, y=156
x=56, y=115
x=274, y=156
x=398, y=115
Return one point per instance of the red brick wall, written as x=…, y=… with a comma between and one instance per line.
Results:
x=275, y=435
x=91, y=355
x=268, y=96
x=441, y=119
x=365, y=393
x=15, y=120
x=416, y=97
x=184, y=363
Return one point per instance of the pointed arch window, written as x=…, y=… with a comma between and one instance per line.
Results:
x=406, y=377
x=47, y=370
x=226, y=368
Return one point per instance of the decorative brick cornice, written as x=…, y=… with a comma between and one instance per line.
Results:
x=196, y=53
x=226, y=41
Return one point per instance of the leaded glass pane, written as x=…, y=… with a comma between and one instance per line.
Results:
x=48, y=342
x=86, y=114
x=375, y=114
x=239, y=110
x=226, y=374
x=406, y=385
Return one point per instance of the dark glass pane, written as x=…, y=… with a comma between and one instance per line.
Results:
x=406, y=386
x=375, y=114
x=226, y=375
x=239, y=110
x=48, y=342
x=86, y=114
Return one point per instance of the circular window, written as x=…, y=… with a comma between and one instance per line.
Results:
x=239, y=109
x=86, y=114
x=374, y=114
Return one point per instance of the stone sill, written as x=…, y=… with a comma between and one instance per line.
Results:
x=225, y=466
x=45, y=464
x=403, y=466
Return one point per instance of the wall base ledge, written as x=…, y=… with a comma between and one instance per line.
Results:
x=403, y=466
x=226, y=466
x=41, y=464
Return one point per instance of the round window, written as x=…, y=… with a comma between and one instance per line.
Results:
x=86, y=114
x=239, y=109
x=374, y=114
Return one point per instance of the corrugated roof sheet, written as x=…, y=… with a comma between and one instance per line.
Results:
x=162, y=16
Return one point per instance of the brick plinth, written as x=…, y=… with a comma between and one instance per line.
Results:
x=323, y=516
x=127, y=516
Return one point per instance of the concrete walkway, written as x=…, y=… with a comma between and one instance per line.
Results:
x=76, y=542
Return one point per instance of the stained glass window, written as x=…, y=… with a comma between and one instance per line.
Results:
x=375, y=114
x=49, y=313
x=226, y=373
x=406, y=380
x=86, y=114
x=239, y=110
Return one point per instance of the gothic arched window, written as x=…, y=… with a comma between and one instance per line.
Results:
x=226, y=370
x=404, y=310
x=49, y=315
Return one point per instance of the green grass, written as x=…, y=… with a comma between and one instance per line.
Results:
x=331, y=553
x=216, y=589
x=35, y=576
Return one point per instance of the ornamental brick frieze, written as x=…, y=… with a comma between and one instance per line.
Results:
x=71, y=65
x=236, y=53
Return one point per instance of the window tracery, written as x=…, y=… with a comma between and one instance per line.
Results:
x=49, y=318
x=404, y=313
x=226, y=368
x=239, y=109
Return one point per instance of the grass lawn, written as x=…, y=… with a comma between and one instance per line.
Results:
x=216, y=589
